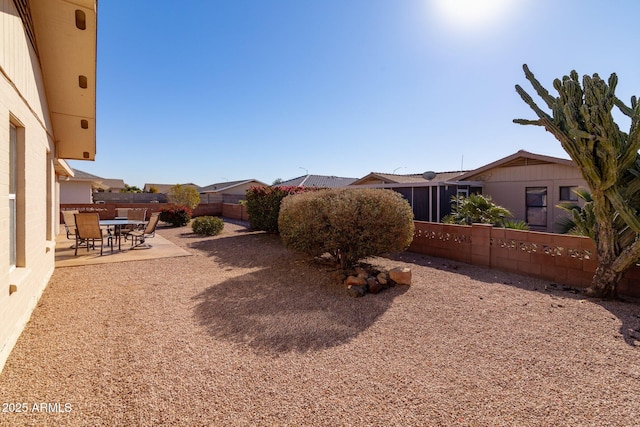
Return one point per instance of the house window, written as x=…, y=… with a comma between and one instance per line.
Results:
x=537, y=206
x=13, y=181
x=567, y=194
x=16, y=196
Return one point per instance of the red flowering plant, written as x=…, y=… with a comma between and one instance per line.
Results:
x=178, y=216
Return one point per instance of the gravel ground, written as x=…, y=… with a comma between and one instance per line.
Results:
x=246, y=333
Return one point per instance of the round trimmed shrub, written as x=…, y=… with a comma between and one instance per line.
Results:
x=349, y=224
x=207, y=225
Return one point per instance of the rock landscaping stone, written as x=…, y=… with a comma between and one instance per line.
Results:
x=373, y=286
x=356, y=291
x=382, y=278
x=356, y=281
x=361, y=280
x=400, y=275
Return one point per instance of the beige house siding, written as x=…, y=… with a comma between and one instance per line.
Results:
x=21, y=103
x=24, y=104
x=507, y=187
x=228, y=193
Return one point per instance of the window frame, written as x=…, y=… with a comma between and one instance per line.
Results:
x=12, y=197
x=573, y=197
x=541, y=208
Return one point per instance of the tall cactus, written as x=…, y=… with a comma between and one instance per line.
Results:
x=581, y=119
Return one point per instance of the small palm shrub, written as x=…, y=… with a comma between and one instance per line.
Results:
x=207, y=225
x=581, y=220
x=178, y=216
x=347, y=224
x=515, y=224
x=476, y=208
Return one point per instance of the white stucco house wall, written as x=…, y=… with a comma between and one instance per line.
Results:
x=79, y=188
x=47, y=115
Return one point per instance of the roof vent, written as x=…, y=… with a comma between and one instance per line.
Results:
x=429, y=175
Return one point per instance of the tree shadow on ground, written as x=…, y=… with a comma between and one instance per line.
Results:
x=626, y=310
x=278, y=301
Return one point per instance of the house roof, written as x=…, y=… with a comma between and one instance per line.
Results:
x=68, y=62
x=520, y=158
x=114, y=183
x=79, y=175
x=318, y=181
x=390, y=178
x=222, y=186
x=164, y=188
x=97, y=181
x=82, y=176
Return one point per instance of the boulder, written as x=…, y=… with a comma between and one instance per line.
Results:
x=373, y=286
x=356, y=291
x=356, y=281
x=382, y=278
x=400, y=275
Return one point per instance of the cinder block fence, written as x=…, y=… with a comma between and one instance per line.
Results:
x=563, y=259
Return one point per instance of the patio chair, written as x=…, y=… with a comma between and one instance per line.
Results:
x=122, y=212
x=88, y=230
x=139, y=236
x=70, y=223
x=133, y=214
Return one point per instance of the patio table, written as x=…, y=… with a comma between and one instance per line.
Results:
x=117, y=227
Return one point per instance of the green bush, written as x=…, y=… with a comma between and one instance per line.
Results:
x=348, y=224
x=178, y=216
x=207, y=225
x=263, y=205
x=476, y=208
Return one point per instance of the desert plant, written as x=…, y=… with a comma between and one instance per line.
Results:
x=581, y=119
x=178, y=216
x=207, y=225
x=515, y=224
x=347, y=224
x=581, y=221
x=182, y=195
x=476, y=208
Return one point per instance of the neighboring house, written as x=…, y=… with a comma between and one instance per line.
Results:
x=80, y=187
x=228, y=192
x=429, y=194
x=164, y=188
x=47, y=114
x=114, y=185
x=317, y=181
x=530, y=186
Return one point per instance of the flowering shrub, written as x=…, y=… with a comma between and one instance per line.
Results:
x=207, y=225
x=263, y=205
x=178, y=216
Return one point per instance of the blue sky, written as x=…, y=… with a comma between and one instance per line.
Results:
x=207, y=91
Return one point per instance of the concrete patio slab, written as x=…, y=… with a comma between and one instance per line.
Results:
x=160, y=248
